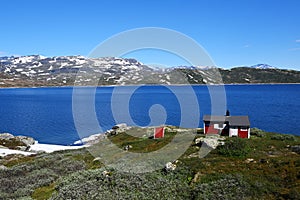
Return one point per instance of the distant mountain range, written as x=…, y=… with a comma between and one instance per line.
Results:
x=36, y=70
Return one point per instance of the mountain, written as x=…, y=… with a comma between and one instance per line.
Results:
x=263, y=66
x=36, y=70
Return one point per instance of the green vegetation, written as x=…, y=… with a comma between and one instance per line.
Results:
x=262, y=167
x=44, y=192
x=234, y=147
x=142, y=144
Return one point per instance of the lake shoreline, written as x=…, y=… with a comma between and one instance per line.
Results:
x=92, y=86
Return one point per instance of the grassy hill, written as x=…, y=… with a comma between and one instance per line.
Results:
x=252, y=75
x=262, y=167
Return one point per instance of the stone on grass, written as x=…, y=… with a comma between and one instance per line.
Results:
x=170, y=166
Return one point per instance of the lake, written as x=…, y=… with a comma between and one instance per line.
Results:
x=46, y=113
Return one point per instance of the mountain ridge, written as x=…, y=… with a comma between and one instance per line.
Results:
x=37, y=70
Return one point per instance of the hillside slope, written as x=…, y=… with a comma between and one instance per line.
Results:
x=266, y=166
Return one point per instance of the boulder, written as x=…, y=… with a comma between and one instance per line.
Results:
x=296, y=148
x=119, y=128
x=211, y=142
x=26, y=140
x=6, y=136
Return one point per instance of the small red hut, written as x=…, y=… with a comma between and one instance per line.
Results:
x=159, y=132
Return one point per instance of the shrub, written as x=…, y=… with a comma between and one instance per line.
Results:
x=283, y=137
x=22, y=179
x=257, y=132
x=228, y=187
x=92, y=184
x=234, y=147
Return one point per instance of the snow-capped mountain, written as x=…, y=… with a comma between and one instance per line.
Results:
x=36, y=70
x=63, y=70
x=263, y=66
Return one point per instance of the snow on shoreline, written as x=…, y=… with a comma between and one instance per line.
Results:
x=90, y=139
x=37, y=147
x=5, y=152
x=49, y=148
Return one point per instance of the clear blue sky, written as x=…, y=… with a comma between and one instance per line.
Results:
x=233, y=32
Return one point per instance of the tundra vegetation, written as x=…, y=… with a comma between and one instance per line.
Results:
x=266, y=166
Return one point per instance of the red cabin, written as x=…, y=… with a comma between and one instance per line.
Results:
x=232, y=126
x=159, y=132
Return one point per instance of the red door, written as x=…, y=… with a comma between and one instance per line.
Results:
x=243, y=134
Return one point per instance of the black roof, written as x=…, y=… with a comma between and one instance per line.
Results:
x=232, y=120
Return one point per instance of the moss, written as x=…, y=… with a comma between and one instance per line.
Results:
x=12, y=160
x=44, y=192
x=88, y=159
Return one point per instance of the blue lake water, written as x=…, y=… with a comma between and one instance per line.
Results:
x=46, y=113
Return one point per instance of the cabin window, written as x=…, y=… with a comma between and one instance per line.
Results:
x=219, y=126
x=244, y=129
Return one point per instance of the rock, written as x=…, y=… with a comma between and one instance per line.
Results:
x=263, y=160
x=105, y=173
x=96, y=159
x=249, y=160
x=3, y=147
x=183, y=130
x=26, y=140
x=2, y=167
x=296, y=148
x=211, y=142
x=119, y=128
x=6, y=136
x=127, y=147
x=198, y=140
x=170, y=166
x=22, y=148
x=196, y=177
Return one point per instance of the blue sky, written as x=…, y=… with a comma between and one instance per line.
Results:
x=233, y=32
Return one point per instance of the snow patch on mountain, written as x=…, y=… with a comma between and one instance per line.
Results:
x=263, y=66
